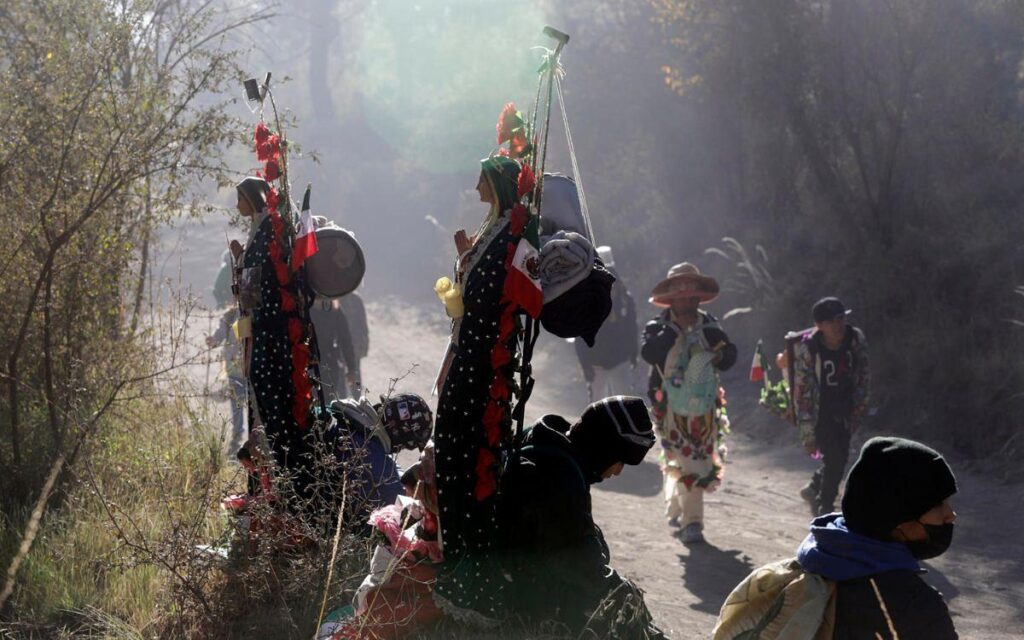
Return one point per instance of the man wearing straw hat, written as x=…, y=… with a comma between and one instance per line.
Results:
x=687, y=348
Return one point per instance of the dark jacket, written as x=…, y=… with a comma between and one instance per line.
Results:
x=333, y=336
x=616, y=342
x=917, y=611
x=660, y=335
x=555, y=554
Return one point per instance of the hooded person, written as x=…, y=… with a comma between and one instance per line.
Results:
x=896, y=512
x=554, y=553
x=687, y=348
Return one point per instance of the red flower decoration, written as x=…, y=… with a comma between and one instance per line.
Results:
x=507, y=122
x=499, y=388
x=517, y=222
x=687, y=451
x=287, y=301
x=518, y=144
x=527, y=181
x=500, y=355
x=494, y=415
x=295, y=331
x=273, y=170
x=262, y=133
x=272, y=200
x=486, y=478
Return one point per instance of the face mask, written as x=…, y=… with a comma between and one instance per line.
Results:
x=939, y=538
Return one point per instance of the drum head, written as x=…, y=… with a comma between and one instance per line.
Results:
x=338, y=265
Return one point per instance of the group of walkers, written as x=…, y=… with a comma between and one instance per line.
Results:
x=494, y=522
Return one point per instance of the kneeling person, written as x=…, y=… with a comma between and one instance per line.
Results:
x=557, y=557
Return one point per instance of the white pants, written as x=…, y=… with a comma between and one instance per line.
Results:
x=616, y=381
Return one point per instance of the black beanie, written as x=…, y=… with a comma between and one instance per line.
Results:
x=255, y=191
x=894, y=481
x=616, y=429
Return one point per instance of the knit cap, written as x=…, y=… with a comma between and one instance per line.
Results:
x=612, y=430
x=893, y=481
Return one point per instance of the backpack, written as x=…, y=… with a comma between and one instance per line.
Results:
x=779, y=601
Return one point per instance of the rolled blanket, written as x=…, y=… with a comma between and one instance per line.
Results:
x=565, y=260
x=583, y=309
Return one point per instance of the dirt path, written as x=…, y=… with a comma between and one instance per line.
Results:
x=756, y=517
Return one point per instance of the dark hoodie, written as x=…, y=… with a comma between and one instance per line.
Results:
x=555, y=555
x=852, y=560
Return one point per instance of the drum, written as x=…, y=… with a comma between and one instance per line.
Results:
x=338, y=265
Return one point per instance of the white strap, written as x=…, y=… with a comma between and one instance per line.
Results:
x=575, y=165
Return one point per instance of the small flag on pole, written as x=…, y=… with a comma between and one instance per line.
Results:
x=758, y=366
x=305, y=238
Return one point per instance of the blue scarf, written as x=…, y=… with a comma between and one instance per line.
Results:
x=833, y=551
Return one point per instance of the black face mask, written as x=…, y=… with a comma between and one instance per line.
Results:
x=939, y=538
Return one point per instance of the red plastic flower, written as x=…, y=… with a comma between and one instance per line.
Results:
x=269, y=149
x=486, y=478
x=273, y=170
x=294, y=326
x=508, y=121
x=517, y=222
x=499, y=388
x=518, y=144
x=272, y=200
x=527, y=181
x=262, y=133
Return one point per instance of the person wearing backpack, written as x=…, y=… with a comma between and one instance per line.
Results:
x=554, y=556
x=857, y=574
x=687, y=348
x=831, y=378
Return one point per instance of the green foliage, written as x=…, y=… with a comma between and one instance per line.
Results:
x=111, y=116
x=775, y=397
x=871, y=148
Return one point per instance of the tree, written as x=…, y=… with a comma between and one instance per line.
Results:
x=113, y=116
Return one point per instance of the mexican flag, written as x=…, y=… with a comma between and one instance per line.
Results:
x=758, y=366
x=305, y=238
x=523, y=280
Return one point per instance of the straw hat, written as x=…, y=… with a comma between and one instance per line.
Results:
x=684, y=280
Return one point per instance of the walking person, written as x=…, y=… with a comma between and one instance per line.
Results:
x=857, y=575
x=830, y=373
x=608, y=365
x=687, y=348
x=339, y=366
x=232, y=354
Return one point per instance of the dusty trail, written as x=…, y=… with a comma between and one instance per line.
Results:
x=756, y=517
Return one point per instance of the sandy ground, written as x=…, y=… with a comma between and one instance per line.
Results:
x=755, y=518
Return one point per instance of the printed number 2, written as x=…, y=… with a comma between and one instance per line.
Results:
x=830, y=373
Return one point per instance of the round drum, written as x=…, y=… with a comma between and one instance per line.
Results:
x=338, y=265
